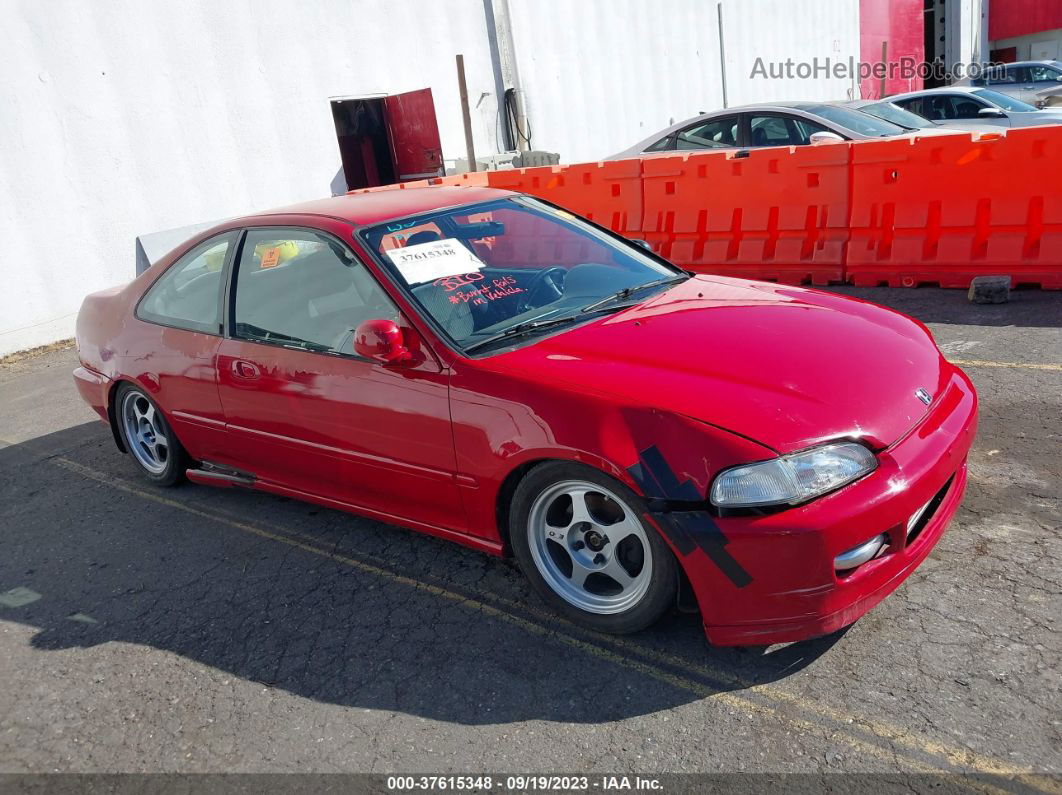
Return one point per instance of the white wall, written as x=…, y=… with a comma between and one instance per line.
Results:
x=119, y=118
x=600, y=76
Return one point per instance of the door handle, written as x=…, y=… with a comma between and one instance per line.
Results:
x=245, y=370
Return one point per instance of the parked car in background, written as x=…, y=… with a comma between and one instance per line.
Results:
x=969, y=105
x=488, y=368
x=776, y=124
x=1037, y=83
x=884, y=109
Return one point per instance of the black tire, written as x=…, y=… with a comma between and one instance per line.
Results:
x=176, y=460
x=662, y=582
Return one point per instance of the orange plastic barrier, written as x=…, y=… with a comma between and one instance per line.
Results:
x=945, y=209
x=778, y=214
x=607, y=193
x=902, y=212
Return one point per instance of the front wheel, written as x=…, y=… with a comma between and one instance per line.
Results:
x=588, y=551
x=149, y=438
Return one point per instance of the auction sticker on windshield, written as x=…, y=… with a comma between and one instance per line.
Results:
x=426, y=262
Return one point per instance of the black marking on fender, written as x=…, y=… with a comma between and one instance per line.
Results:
x=687, y=530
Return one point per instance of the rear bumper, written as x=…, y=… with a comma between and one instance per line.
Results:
x=94, y=389
x=793, y=591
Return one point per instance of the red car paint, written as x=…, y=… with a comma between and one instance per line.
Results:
x=711, y=373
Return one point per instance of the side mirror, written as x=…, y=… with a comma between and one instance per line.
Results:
x=381, y=340
x=992, y=113
x=824, y=137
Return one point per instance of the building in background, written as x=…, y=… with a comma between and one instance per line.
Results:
x=121, y=118
x=1025, y=30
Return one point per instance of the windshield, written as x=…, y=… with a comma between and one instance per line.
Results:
x=1005, y=102
x=488, y=269
x=897, y=115
x=861, y=123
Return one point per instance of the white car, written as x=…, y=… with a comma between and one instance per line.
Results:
x=971, y=106
x=1038, y=83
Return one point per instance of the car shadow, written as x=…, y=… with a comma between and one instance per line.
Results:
x=1027, y=308
x=322, y=604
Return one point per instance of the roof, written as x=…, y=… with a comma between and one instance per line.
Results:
x=942, y=90
x=383, y=205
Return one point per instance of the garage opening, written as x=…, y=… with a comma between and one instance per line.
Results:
x=385, y=139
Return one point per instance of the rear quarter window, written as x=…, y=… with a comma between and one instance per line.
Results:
x=188, y=294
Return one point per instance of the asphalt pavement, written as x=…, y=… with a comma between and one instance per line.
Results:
x=199, y=629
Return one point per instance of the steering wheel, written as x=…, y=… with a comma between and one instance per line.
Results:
x=550, y=282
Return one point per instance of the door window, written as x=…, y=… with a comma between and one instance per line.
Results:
x=188, y=295
x=715, y=134
x=1043, y=74
x=941, y=107
x=661, y=145
x=771, y=129
x=302, y=289
x=1005, y=75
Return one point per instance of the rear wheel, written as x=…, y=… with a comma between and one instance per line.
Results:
x=148, y=437
x=587, y=549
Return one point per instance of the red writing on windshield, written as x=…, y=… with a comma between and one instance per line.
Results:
x=501, y=287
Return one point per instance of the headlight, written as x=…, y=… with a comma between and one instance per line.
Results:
x=792, y=479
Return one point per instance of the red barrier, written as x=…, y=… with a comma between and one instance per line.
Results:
x=779, y=214
x=944, y=209
x=902, y=212
x=607, y=193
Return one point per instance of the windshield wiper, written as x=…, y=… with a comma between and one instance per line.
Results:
x=521, y=329
x=627, y=292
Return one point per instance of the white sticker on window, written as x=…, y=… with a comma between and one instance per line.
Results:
x=426, y=262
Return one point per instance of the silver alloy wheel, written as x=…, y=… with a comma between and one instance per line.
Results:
x=590, y=547
x=145, y=432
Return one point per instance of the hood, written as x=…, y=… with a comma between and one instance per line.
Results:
x=785, y=366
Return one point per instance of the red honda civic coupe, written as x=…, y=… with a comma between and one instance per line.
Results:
x=489, y=368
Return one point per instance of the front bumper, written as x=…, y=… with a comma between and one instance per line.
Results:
x=792, y=590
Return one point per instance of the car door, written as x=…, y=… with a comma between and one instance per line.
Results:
x=1022, y=85
x=956, y=110
x=304, y=411
x=1041, y=78
x=965, y=109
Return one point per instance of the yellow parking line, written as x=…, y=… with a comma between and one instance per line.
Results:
x=959, y=757
x=1016, y=365
x=952, y=756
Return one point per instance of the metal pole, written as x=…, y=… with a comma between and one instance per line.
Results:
x=722, y=51
x=885, y=66
x=465, y=114
x=510, y=71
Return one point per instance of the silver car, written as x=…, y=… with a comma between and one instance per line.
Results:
x=884, y=109
x=777, y=124
x=967, y=106
x=1037, y=83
